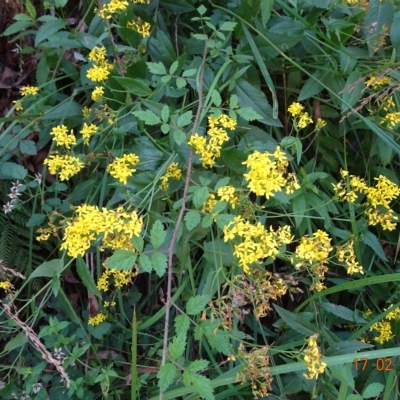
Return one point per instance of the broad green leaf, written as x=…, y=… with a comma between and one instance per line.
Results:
x=138, y=243
x=48, y=269
x=184, y=119
x=197, y=365
x=299, y=207
x=228, y=26
x=207, y=221
x=177, y=347
x=69, y=109
x=216, y=98
x=148, y=117
x=197, y=304
x=10, y=170
x=27, y=147
x=156, y=68
x=353, y=90
x=189, y=72
x=222, y=182
x=343, y=373
x=173, y=67
x=346, y=347
x=192, y=219
x=36, y=220
x=248, y=114
x=166, y=375
x=339, y=311
x=47, y=29
x=180, y=83
x=165, y=113
x=223, y=220
x=17, y=27
x=179, y=136
x=372, y=390
x=159, y=261
x=296, y=322
x=219, y=252
x=289, y=27
x=165, y=128
x=86, y=277
x=233, y=101
x=202, y=10
x=200, y=196
x=182, y=324
x=122, y=260
x=372, y=241
x=139, y=87
x=266, y=8
x=354, y=397
x=312, y=86
x=55, y=284
x=200, y=36
x=384, y=150
x=219, y=341
x=145, y=263
x=203, y=387
x=157, y=234
x=16, y=342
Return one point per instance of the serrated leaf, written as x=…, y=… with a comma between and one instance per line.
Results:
x=177, y=347
x=145, y=263
x=159, y=261
x=165, y=128
x=203, y=387
x=11, y=170
x=207, y=221
x=86, y=277
x=192, y=219
x=173, y=67
x=184, y=119
x=372, y=390
x=216, y=98
x=27, y=147
x=200, y=197
x=228, y=26
x=296, y=322
x=200, y=36
x=372, y=241
x=197, y=304
x=339, y=311
x=17, y=27
x=139, y=87
x=179, y=136
x=36, y=220
x=122, y=260
x=138, y=243
x=48, y=269
x=47, y=29
x=157, y=234
x=148, y=117
x=180, y=83
x=165, y=111
x=219, y=341
x=189, y=72
x=166, y=375
x=156, y=68
x=353, y=90
x=222, y=182
x=182, y=324
x=248, y=114
x=197, y=365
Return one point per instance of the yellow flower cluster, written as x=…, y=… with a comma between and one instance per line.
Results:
x=5, y=285
x=141, y=27
x=109, y=304
x=376, y=82
x=121, y=278
x=346, y=253
x=113, y=7
x=257, y=242
x=61, y=136
x=97, y=319
x=29, y=90
x=97, y=93
x=66, y=165
x=384, y=327
x=101, y=68
x=172, y=172
x=210, y=149
x=122, y=168
x=228, y=194
x=86, y=112
x=116, y=226
x=302, y=118
x=87, y=131
x=141, y=1
x=313, y=252
x=391, y=119
x=266, y=175
x=381, y=194
x=312, y=359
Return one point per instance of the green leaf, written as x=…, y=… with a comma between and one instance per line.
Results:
x=207, y=221
x=200, y=196
x=200, y=36
x=354, y=397
x=189, y=72
x=248, y=114
x=145, y=263
x=138, y=87
x=28, y=147
x=202, y=10
x=159, y=261
x=353, y=90
x=11, y=170
x=177, y=347
x=182, y=324
x=173, y=67
x=266, y=8
x=55, y=284
x=219, y=341
x=63, y=110
x=384, y=150
x=179, y=136
x=346, y=347
x=165, y=111
x=138, y=243
x=166, y=375
x=184, y=119
x=47, y=29
x=157, y=68
x=197, y=365
x=372, y=390
x=165, y=128
x=157, y=234
x=339, y=311
x=86, y=277
x=197, y=304
x=372, y=241
x=203, y=387
x=36, y=219
x=61, y=3
x=192, y=219
x=299, y=207
x=17, y=27
x=296, y=322
x=122, y=260
x=228, y=26
x=48, y=269
x=180, y=83
x=222, y=182
x=148, y=117
x=216, y=98
x=217, y=252
x=17, y=341
x=312, y=86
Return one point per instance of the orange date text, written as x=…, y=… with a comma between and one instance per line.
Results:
x=381, y=364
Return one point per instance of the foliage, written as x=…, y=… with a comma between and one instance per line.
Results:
x=212, y=207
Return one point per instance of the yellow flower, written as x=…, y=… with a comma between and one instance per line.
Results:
x=97, y=93
x=5, y=285
x=66, y=165
x=98, y=54
x=29, y=90
x=304, y=120
x=172, y=172
x=228, y=194
x=122, y=168
x=98, y=73
x=376, y=82
x=86, y=112
x=97, y=319
x=61, y=136
x=114, y=6
x=140, y=26
x=87, y=131
x=19, y=106
x=313, y=359
x=320, y=123
x=295, y=109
